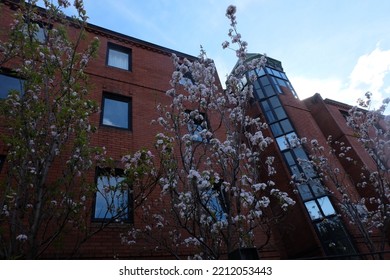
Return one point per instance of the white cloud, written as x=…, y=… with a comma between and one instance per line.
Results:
x=370, y=73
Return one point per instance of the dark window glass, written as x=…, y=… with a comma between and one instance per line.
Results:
x=286, y=125
x=275, y=102
x=300, y=153
x=264, y=81
x=276, y=129
x=308, y=169
x=113, y=200
x=334, y=237
x=259, y=93
x=116, y=111
x=276, y=85
x=317, y=187
x=270, y=116
x=8, y=84
x=2, y=160
x=280, y=113
x=282, y=82
x=256, y=85
x=295, y=171
x=269, y=91
x=269, y=71
x=266, y=106
x=304, y=191
x=119, y=57
x=289, y=158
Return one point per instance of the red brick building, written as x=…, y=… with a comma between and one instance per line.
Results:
x=129, y=78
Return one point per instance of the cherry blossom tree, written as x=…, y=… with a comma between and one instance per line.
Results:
x=364, y=202
x=214, y=173
x=45, y=123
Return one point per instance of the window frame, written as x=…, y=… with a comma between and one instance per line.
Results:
x=122, y=49
x=128, y=215
x=120, y=98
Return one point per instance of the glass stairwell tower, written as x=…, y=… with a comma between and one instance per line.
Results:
x=271, y=82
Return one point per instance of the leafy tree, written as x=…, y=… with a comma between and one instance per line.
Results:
x=367, y=209
x=46, y=124
x=211, y=163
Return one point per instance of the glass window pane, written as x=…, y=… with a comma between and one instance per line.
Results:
x=308, y=170
x=276, y=73
x=275, y=102
x=304, y=191
x=40, y=35
x=269, y=91
x=264, y=81
x=289, y=158
x=260, y=72
x=276, y=129
x=118, y=59
x=251, y=73
x=256, y=85
x=282, y=82
x=300, y=153
x=317, y=187
x=313, y=210
x=115, y=113
x=2, y=160
x=259, y=93
x=335, y=238
x=281, y=114
x=295, y=171
x=286, y=125
x=292, y=139
x=8, y=83
x=326, y=206
x=265, y=106
x=276, y=85
x=282, y=143
x=269, y=71
x=270, y=116
x=111, y=200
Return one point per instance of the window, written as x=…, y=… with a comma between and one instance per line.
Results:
x=216, y=202
x=113, y=199
x=2, y=159
x=37, y=31
x=196, y=124
x=116, y=111
x=119, y=57
x=187, y=79
x=9, y=83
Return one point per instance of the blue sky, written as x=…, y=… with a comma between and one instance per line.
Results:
x=338, y=48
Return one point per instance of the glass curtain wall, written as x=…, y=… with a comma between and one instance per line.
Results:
x=267, y=88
